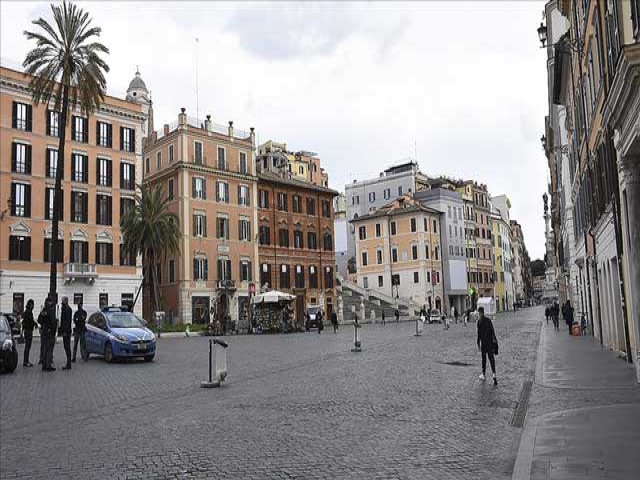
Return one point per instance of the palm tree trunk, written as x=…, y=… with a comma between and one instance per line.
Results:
x=154, y=286
x=57, y=196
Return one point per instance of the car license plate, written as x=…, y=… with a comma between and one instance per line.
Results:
x=142, y=347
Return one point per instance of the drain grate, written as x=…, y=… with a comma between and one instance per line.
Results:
x=520, y=412
x=457, y=363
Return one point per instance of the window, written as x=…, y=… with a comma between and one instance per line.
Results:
x=393, y=228
x=365, y=259
x=224, y=269
x=104, y=172
x=244, y=230
x=414, y=252
x=311, y=206
x=428, y=276
x=436, y=253
x=380, y=281
x=435, y=226
x=53, y=122
x=170, y=153
x=394, y=255
x=449, y=211
x=299, y=276
x=326, y=209
x=450, y=230
x=104, y=134
x=263, y=199
x=243, y=162
x=59, y=250
x=378, y=230
x=79, y=207
x=387, y=193
x=200, y=269
x=283, y=237
x=79, y=252
x=312, y=241
x=79, y=168
x=199, y=224
x=414, y=225
x=265, y=274
x=372, y=197
x=296, y=204
x=426, y=251
x=51, y=163
x=222, y=228
x=379, y=257
x=243, y=195
x=395, y=279
x=313, y=277
x=127, y=176
x=282, y=202
x=328, y=277
x=103, y=210
x=365, y=282
x=264, y=236
x=355, y=200
x=104, y=254
x=170, y=189
x=222, y=192
x=222, y=163
x=199, y=188
x=437, y=277
x=146, y=165
x=126, y=205
x=327, y=241
x=400, y=190
x=245, y=271
x=49, y=203
x=451, y=250
x=79, y=129
x=284, y=276
x=126, y=260
x=298, y=237
x=22, y=116
x=172, y=271
x=362, y=232
x=158, y=160
x=416, y=277
x=20, y=248
x=20, y=200
x=198, y=158
x=21, y=158
x=127, y=139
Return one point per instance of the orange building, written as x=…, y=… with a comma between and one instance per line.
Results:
x=102, y=165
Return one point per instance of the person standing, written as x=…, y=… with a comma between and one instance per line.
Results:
x=454, y=314
x=567, y=314
x=320, y=324
x=43, y=334
x=383, y=319
x=397, y=314
x=79, y=329
x=547, y=314
x=487, y=343
x=65, y=330
x=48, y=337
x=28, y=324
x=334, y=321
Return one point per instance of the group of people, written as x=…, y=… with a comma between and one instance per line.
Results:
x=49, y=327
x=553, y=312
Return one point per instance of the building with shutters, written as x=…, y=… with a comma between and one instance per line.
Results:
x=103, y=159
x=207, y=171
x=296, y=240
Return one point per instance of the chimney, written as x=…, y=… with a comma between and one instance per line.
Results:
x=253, y=136
x=208, y=126
x=165, y=129
x=231, y=130
x=182, y=118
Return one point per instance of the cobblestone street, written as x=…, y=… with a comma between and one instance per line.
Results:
x=294, y=406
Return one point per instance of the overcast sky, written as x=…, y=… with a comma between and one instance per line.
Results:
x=362, y=84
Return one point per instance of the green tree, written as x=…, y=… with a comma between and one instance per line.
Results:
x=151, y=230
x=66, y=70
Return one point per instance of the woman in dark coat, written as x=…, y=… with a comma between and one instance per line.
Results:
x=487, y=343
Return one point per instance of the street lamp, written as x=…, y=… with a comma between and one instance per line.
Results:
x=572, y=45
x=542, y=34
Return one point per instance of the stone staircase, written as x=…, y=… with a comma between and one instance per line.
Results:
x=353, y=296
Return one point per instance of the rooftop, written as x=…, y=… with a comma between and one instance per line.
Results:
x=267, y=176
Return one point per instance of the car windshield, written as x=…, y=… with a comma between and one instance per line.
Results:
x=435, y=312
x=313, y=310
x=4, y=325
x=124, y=320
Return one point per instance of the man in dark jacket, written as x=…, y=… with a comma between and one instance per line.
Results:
x=334, y=321
x=65, y=330
x=397, y=314
x=28, y=324
x=79, y=329
x=567, y=314
x=48, y=334
x=487, y=343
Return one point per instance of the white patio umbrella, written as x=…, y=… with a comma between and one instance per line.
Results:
x=273, y=296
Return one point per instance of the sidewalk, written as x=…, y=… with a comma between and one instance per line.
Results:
x=596, y=433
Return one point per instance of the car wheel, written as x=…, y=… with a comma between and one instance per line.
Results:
x=108, y=353
x=13, y=363
x=149, y=358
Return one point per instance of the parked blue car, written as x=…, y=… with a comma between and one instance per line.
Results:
x=114, y=332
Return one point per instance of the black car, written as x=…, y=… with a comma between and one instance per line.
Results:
x=313, y=319
x=16, y=329
x=8, y=348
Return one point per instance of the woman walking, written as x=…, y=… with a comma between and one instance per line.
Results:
x=488, y=345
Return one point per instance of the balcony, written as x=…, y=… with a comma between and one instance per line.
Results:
x=80, y=270
x=226, y=285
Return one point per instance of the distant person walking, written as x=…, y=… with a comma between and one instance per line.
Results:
x=555, y=314
x=455, y=314
x=547, y=314
x=28, y=324
x=65, y=330
x=397, y=314
x=567, y=314
x=488, y=345
x=334, y=321
x=383, y=318
x=50, y=325
x=79, y=329
x=320, y=324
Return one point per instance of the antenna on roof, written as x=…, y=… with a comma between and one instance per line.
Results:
x=197, y=99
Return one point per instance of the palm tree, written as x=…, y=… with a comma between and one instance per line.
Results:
x=151, y=230
x=67, y=69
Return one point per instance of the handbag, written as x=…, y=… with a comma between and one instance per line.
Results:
x=495, y=345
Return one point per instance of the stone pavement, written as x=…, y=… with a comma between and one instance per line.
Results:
x=584, y=417
x=295, y=406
